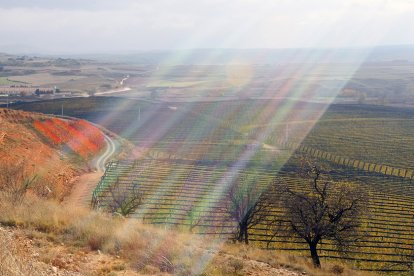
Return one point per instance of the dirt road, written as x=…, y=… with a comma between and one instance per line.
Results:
x=85, y=184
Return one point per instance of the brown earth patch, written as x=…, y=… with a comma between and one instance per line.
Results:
x=21, y=144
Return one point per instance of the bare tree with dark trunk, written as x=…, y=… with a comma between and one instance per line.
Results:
x=248, y=207
x=124, y=200
x=324, y=210
x=195, y=219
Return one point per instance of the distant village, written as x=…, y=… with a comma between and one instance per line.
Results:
x=22, y=90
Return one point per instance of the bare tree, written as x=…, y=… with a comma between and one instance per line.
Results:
x=248, y=207
x=124, y=200
x=194, y=219
x=324, y=210
x=14, y=182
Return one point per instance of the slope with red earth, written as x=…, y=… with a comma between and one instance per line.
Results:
x=41, y=144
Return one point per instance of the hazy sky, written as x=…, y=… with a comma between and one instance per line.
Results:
x=76, y=26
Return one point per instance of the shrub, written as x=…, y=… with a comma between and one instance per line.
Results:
x=236, y=264
x=337, y=269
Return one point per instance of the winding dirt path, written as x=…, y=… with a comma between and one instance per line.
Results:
x=82, y=189
x=109, y=152
x=84, y=185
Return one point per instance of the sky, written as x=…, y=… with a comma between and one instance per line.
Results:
x=107, y=26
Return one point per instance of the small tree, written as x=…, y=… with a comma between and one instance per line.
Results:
x=326, y=210
x=248, y=207
x=14, y=182
x=123, y=200
x=194, y=220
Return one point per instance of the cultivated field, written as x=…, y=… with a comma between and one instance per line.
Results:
x=6, y=81
x=207, y=146
x=191, y=196
x=384, y=82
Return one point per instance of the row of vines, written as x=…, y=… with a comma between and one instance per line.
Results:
x=187, y=196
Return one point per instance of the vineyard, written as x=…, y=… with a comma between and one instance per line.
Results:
x=190, y=197
x=196, y=151
x=371, y=140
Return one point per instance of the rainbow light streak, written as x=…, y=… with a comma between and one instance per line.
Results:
x=274, y=117
x=291, y=105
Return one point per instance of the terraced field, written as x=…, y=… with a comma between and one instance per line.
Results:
x=380, y=141
x=190, y=196
x=212, y=145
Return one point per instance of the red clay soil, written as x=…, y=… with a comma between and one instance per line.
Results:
x=78, y=136
x=21, y=143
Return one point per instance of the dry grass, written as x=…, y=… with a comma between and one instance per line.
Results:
x=291, y=262
x=146, y=249
x=12, y=260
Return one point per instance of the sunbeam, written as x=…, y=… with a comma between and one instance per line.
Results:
x=182, y=125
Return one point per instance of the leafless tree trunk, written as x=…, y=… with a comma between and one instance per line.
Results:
x=124, y=200
x=327, y=210
x=248, y=207
x=194, y=219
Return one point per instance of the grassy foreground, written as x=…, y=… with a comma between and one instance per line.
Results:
x=131, y=246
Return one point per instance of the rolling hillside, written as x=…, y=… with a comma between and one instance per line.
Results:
x=208, y=146
x=39, y=146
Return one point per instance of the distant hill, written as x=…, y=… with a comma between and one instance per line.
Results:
x=403, y=53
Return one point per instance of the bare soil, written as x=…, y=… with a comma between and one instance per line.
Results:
x=82, y=189
x=20, y=143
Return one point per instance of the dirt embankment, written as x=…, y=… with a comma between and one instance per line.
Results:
x=21, y=145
